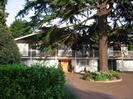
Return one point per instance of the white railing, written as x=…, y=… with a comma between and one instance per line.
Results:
x=80, y=54
x=60, y=53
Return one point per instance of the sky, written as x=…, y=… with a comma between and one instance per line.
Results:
x=13, y=7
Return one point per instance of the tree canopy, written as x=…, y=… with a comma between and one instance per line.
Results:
x=76, y=13
x=69, y=10
x=20, y=28
x=9, y=53
x=3, y=14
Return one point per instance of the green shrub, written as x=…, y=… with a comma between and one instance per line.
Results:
x=35, y=82
x=9, y=53
x=101, y=76
x=115, y=74
x=88, y=76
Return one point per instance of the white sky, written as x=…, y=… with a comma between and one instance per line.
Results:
x=13, y=7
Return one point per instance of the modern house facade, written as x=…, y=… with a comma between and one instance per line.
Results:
x=121, y=60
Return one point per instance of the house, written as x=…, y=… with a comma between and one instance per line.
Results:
x=78, y=62
x=23, y=44
x=31, y=56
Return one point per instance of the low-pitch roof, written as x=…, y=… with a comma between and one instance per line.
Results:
x=26, y=36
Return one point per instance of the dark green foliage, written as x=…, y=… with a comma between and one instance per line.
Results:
x=9, y=53
x=54, y=37
x=130, y=47
x=121, y=34
x=35, y=82
x=20, y=28
x=102, y=76
x=3, y=14
x=69, y=11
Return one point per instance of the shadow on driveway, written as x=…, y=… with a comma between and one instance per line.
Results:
x=88, y=94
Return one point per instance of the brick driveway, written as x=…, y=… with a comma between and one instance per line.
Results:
x=92, y=90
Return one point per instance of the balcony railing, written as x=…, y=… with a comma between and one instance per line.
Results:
x=79, y=54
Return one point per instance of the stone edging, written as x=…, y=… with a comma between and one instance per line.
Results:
x=108, y=81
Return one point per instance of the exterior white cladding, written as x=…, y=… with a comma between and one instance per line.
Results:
x=124, y=65
x=49, y=62
x=79, y=65
x=23, y=48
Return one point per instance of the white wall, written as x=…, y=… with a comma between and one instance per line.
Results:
x=52, y=62
x=125, y=65
x=79, y=65
x=23, y=48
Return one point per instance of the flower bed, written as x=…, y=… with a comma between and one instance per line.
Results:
x=102, y=76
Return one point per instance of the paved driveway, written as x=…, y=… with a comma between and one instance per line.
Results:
x=92, y=90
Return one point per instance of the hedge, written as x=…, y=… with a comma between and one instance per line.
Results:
x=35, y=82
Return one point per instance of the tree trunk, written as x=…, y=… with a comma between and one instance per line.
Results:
x=103, y=43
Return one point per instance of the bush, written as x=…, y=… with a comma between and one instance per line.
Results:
x=115, y=74
x=9, y=52
x=101, y=76
x=35, y=82
x=88, y=76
